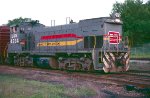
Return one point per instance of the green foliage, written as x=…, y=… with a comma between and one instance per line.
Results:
x=19, y=20
x=136, y=18
x=141, y=51
x=148, y=2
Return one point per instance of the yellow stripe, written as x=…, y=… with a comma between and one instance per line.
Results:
x=59, y=43
x=105, y=38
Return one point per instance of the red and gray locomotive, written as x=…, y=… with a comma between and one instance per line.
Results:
x=90, y=44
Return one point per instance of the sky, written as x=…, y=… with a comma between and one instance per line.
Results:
x=58, y=10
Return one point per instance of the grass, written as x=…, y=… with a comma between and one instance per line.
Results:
x=139, y=55
x=16, y=87
x=141, y=51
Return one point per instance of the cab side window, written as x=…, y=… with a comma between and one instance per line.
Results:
x=93, y=42
x=89, y=42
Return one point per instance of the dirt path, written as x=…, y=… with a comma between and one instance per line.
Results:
x=103, y=87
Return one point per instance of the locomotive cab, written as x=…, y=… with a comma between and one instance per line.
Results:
x=16, y=39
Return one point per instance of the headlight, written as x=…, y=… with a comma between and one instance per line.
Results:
x=117, y=20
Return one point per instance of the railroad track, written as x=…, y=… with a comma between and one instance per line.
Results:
x=138, y=79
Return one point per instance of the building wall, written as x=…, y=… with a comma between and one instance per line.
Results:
x=4, y=39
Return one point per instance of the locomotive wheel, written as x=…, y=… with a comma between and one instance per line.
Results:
x=53, y=63
x=22, y=61
x=66, y=66
x=115, y=63
x=74, y=66
x=17, y=60
x=90, y=67
x=77, y=66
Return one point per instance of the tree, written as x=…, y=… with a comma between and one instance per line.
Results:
x=148, y=2
x=136, y=20
x=19, y=20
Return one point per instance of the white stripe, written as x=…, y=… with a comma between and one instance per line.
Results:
x=127, y=66
x=127, y=61
x=111, y=62
x=126, y=55
x=112, y=56
x=107, y=57
x=106, y=64
x=105, y=70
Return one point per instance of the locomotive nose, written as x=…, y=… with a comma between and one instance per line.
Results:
x=119, y=61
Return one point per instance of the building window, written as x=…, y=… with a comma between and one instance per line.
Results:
x=11, y=41
x=17, y=40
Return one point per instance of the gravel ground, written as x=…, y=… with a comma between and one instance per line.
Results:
x=103, y=88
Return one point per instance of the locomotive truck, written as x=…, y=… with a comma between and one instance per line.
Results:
x=90, y=44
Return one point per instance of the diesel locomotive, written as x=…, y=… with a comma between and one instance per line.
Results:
x=90, y=44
